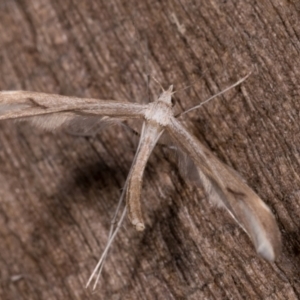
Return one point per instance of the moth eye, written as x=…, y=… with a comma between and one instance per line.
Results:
x=173, y=101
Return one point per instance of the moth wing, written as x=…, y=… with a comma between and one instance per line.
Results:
x=226, y=188
x=89, y=126
x=253, y=215
x=51, y=112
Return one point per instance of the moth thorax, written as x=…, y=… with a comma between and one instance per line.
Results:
x=159, y=112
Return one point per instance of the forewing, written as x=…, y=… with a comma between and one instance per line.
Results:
x=50, y=111
x=226, y=188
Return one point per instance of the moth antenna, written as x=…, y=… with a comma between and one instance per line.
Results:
x=147, y=69
x=189, y=86
x=158, y=83
x=184, y=88
x=218, y=94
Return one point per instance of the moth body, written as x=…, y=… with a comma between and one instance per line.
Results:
x=220, y=183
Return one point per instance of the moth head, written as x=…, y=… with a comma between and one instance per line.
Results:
x=166, y=96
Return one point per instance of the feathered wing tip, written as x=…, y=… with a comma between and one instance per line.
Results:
x=225, y=188
x=250, y=212
x=260, y=224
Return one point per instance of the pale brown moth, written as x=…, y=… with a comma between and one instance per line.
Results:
x=221, y=183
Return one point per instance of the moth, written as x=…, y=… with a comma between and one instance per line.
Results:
x=221, y=183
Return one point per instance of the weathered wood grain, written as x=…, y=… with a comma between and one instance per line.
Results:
x=58, y=192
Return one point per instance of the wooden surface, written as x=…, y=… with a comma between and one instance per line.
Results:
x=58, y=192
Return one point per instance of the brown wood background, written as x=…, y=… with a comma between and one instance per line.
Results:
x=58, y=192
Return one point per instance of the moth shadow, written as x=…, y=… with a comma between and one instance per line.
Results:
x=85, y=190
x=289, y=261
x=165, y=247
